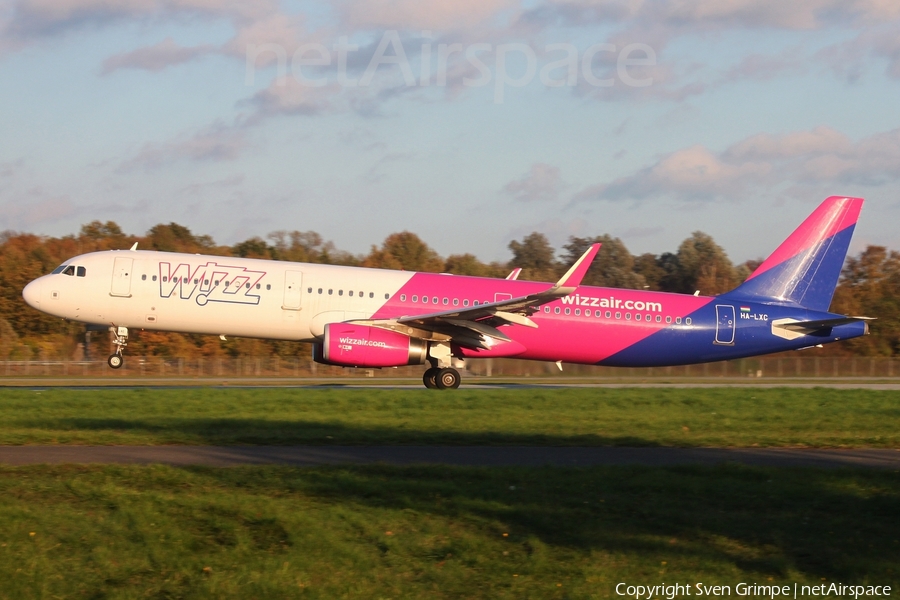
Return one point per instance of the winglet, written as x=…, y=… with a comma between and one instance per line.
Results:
x=572, y=278
x=134, y=247
x=514, y=274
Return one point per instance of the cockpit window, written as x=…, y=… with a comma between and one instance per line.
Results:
x=81, y=271
x=58, y=269
x=70, y=270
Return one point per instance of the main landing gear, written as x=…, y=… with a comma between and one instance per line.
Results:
x=442, y=375
x=116, y=359
x=441, y=379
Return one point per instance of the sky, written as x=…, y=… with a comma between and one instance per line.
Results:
x=469, y=122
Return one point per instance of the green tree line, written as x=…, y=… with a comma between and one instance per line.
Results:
x=870, y=283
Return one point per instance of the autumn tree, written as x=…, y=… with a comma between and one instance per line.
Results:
x=404, y=251
x=613, y=266
x=534, y=255
x=468, y=264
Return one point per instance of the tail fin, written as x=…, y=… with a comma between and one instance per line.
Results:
x=805, y=268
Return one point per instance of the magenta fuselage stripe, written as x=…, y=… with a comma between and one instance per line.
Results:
x=572, y=338
x=832, y=217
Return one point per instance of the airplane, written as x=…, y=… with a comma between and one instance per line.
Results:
x=375, y=318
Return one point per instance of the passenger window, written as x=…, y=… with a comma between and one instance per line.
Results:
x=687, y=321
x=446, y=301
x=259, y=286
x=340, y=292
x=658, y=318
x=330, y=292
x=361, y=294
x=320, y=290
x=216, y=282
x=474, y=302
x=371, y=294
x=184, y=280
x=308, y=290
x=668, y=319
x=350, y=293
x=245, y=285
x=205, y=281
x=678, y=320
x=568, y=311
x=456, y=302
x=465, y=302
x=268, y=286
x=577, y=312
x=637, y=316
x=608, y=314
x=435, y=299
x=618, y=315
x=556, y=310
x=627, y=316
x=196, y=281
x=402, y=297
x=153, y=278
x=415, y=298
x=82, y=271
x=166, y=280
x=144, y=277
x=546, y=309
x=386, y=296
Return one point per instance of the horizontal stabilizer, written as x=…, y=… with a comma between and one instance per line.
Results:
x=792, y=329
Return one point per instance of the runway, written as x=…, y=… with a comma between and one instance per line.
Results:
x=485, y=456
x=87, y=383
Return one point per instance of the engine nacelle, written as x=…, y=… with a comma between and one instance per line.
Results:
x=350, y=345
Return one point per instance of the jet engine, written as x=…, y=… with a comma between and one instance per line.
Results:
x=352, y=345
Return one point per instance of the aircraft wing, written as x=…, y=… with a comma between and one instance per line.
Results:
x=473, y=326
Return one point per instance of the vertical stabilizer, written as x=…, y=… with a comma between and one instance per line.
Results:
x=805, y=268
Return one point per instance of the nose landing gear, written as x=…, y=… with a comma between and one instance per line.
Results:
x=116, y=360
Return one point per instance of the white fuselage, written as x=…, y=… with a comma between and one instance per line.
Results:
x=212, y=294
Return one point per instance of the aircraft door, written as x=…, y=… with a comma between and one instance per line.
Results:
x=725, y=324
x=121, y=278
x=293, y=286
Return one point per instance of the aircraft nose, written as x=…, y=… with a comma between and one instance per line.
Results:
x=32, y=293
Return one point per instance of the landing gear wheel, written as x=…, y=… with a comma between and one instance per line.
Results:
x=430, y=378
x=115, y=361
x=448, y=379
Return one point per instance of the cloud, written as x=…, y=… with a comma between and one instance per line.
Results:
x=418, y=15
x=217, y=142
x=819, y=156
x=34, y=18
x=155, y=58
x=287, y=96
x=850, y=59
x=717, y=14
x=542, y=183
x=34, y=207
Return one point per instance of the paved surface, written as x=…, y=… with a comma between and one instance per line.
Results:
x=471, y=383
x=227, y=456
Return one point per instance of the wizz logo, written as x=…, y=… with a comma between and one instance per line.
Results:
x=210, y=283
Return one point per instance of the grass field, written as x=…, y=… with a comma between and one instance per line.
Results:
x=390, y=532
x=529, y=416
